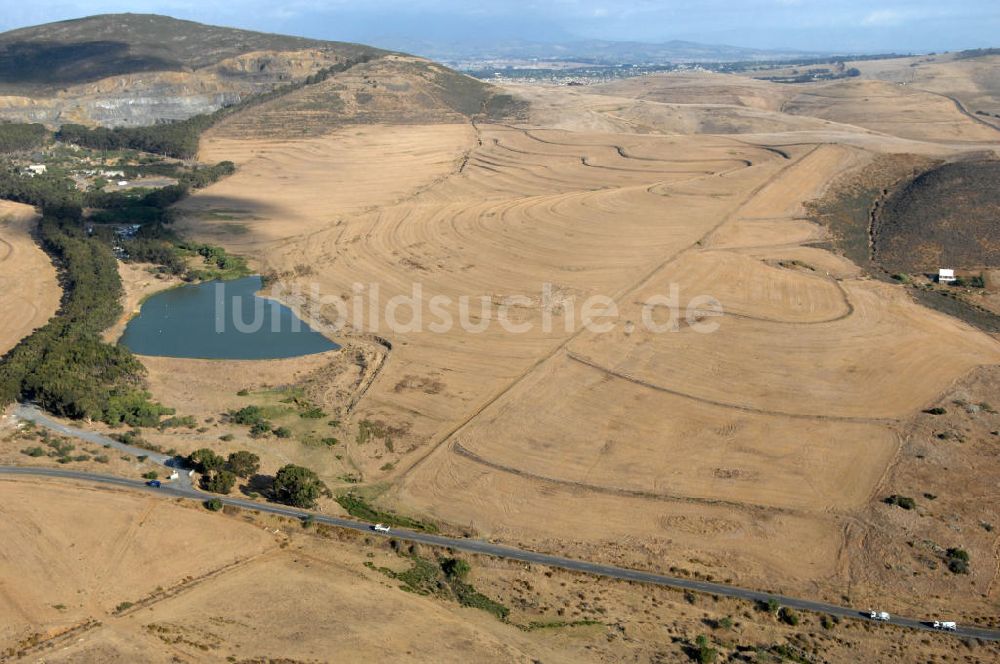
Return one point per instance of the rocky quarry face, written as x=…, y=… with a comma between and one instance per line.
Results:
x=149, y=97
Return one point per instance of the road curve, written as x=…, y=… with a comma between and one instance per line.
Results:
x=499, y=551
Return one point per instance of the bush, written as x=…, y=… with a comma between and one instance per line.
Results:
x=905, y=502
x=151, y=475
x=213, y=504
x=260, y=429
x=958, y=561
x=33, y=451
x=455, y=568
x=247, y=416
x=788, y=616
x=705, y=654
x=282, y=432
x=937, y=410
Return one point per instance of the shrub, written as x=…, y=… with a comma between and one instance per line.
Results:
x=260, y=429
x=788, y=616
x=213, y=504
x=151, y=475
x=936, y=410
x=248, y=415
x=958, y=560
x=455, y=568
x=905, y=502
x=226, y=437
x=312, y=413
x=33, y=451
x=282, y=432
x=706, y=654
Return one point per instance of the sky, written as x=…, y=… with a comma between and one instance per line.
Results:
x=813, y=25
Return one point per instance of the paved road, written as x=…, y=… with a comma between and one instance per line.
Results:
x=38, y=416
x=511, y=553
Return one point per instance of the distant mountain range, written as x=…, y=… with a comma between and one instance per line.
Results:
x=594, y=51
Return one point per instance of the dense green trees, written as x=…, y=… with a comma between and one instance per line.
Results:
x=174, y=139
x=20, y=137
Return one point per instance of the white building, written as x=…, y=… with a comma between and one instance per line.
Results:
x=36, y=169
x=946, y=276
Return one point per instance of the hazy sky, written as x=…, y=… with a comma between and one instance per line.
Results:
x=857, y=25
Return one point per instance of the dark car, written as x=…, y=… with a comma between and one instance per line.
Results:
x=153, y=483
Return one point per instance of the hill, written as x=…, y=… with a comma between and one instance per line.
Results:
x=140, y=69
x=944, y=217
x=41, y=58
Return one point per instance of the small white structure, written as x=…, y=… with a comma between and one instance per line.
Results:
x=113, y=174
x=948, y=625
x=946, y=276
x=879, y=615
x=36, y=169
x=380, y=528
x=123, y=183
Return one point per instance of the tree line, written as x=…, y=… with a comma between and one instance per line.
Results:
x=22, y=137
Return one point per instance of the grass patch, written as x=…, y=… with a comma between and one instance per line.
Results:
x=359, y=508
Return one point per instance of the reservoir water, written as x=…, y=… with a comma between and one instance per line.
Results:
x=220, y=321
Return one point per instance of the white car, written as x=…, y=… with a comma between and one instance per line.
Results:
x=380, y=528
x=879, y=615
x=948, y=625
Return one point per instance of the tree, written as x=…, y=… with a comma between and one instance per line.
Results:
x=213, y=504
x=220, y=481
x=298, y=486
x=243, y=463
x=206, y=460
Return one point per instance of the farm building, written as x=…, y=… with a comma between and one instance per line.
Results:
x=946, y=276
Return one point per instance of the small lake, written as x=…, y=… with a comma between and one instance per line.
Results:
x=220, y=320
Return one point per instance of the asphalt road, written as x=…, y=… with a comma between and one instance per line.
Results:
x=511, y=553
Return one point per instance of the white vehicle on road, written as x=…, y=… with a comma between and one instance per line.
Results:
x=948, y=625
x=380, y=528
x=879, y=615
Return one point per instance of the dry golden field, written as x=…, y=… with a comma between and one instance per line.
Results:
x=758, y=453
x=98, y=575
x=751, y=450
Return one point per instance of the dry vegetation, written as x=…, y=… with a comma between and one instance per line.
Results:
x=760, y=454
x=108, y=576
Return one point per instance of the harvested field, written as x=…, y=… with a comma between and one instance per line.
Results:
x=72, y=552
x=29, y=291
x=903, y=111
x=750, y=450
